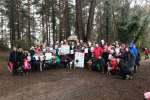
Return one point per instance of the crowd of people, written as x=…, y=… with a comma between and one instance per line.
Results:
x=123, y=60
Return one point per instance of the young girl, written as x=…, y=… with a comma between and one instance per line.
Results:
x=29, y=60
x=41, y=60
x=26, y=66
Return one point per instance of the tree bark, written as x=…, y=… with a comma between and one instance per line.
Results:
x=46, y=20
x=79, y=20
x=19, y=35
x=90, y=20
x=29, y=34
x=53, y=18
x=60, y=22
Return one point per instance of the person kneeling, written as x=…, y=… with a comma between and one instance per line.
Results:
x=124, y=70
x=65, y=60
x=102, y=63
x=94, y=62
x=53, y=62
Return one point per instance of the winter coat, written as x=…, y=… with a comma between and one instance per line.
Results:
x=129, y=58
x=94, y=59
x=38, y=51
x=23, y=57
x=65, y=57
x=105, y=56
x=101, y=62
x=19, y=56
x=121, y=55
x=98, y=51
x=32, y=52
x=56, y=59
x=78, y=49
x=87, y=56
x=34, y=59
x=14, y=56
x=138, y=58
x=114, y=65
x=72, y=47
x=146, y=52
x=134, y=50
x=26, y=64
x=123, y=67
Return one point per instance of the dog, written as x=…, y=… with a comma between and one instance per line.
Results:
x=20, y=71
x=108, y=69
x=73, y=64
x=89, y=64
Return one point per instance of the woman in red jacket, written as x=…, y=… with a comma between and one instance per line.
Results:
x=114, y=65
x=146, y=53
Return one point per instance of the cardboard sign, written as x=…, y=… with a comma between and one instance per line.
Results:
x=80, y=57
x=92, y=49
x=86, y=50
x=51, y=49
x=48, y=56
x=65, y=48
x=36, y=57
x=56, y=46
x=71, y=52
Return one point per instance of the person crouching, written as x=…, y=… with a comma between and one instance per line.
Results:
x=26, y=66
x=102, y=63
x=65, y=60
x=53, y=62
x=94, y=62
x=124, y=70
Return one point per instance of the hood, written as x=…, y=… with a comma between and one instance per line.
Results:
x=132, y=44
x=25, y=60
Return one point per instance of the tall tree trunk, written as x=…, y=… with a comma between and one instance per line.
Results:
x=12, y=26
x=43, y=32
x=60, y=22
x=79, y=20
x=90, y=20
x=54, y=22
x=67, y=20
x=46, y=19
x=49, y=33
x=19, y=35
x=29, y=34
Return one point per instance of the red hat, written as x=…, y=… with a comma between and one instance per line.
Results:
x=123, y=45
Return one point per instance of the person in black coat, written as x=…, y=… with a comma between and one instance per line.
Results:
x=124, y=70
x=24, y=56
x=105, y=56
x=87, y=55
x=20, y=55
x=14, y=58
x=32, y=52
x=94, y=62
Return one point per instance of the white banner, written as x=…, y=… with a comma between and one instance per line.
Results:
x=65, y=48
x=48, y=56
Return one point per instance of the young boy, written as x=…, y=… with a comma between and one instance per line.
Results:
x=146, y=53
x=36, y=62
x=102, y=63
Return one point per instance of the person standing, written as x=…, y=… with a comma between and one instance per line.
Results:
x=98, y=51
x=146, y=53
x=129, y=59
x=13, y=58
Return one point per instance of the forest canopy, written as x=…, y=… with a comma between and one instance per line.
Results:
x=24, y=23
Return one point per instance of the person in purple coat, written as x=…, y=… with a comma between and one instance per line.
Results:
x=121, y=54
x=65, y=59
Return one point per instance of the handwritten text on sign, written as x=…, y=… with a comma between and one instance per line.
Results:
x=80, y=57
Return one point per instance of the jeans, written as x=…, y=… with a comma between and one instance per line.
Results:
x=146, y=56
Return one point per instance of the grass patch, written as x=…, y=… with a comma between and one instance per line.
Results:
x=27, y=88
x=143, y=57
x=3, y=59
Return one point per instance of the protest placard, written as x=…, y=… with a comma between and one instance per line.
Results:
x=80, y=57
x=48, y=56
x=65, y=48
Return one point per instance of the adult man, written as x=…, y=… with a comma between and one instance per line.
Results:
x=134, y=50
x=47, y=44
x=81, y=43
x=13, y=58
x=78, y=48
x=98, y=51
x=129, y=59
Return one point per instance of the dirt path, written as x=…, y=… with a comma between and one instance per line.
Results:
x=79, y=84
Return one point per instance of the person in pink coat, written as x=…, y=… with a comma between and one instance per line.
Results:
x=146, y=53
x=26, y=66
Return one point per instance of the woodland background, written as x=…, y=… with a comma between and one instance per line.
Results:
x=24, y=23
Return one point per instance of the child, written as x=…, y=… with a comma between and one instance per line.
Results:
x=41, y=60
x=36, y=62
x=102, y=63
x=114, y=65
x=26, y=66
x=146, y=53
x=29, y=60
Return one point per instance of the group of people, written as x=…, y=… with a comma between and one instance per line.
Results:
x=122, y=59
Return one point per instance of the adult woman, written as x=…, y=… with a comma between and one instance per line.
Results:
x=87, y=54
x=65, y=60
x=20, y=53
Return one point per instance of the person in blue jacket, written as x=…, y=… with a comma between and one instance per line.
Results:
x=102, y=63
x=134, y=50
